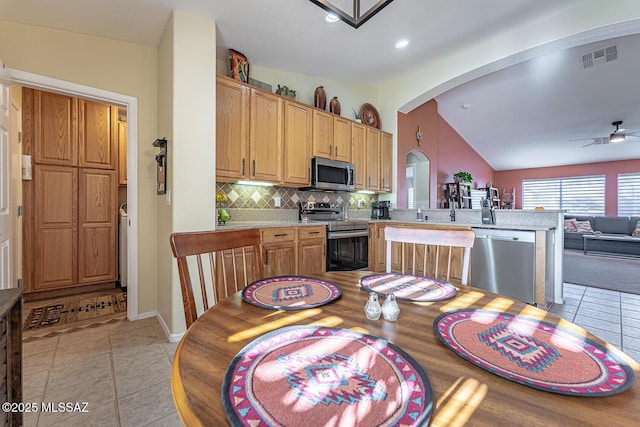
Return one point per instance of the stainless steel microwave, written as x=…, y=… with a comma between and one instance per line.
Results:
x=331, y=175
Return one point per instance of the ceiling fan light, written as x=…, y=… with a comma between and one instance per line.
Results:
x=616, y=137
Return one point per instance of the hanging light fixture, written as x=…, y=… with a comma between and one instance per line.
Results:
x=618, y=134
x=355, y=18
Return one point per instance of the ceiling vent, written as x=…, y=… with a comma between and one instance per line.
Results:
x=600, y=56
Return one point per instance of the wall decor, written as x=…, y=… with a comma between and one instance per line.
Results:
x=161, y=160
x=239, y=66
x=419, y=136
x=370, y=116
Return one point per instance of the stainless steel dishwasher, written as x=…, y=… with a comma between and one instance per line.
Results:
x=503, y=262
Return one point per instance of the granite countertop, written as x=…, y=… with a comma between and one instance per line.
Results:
x=238, y=225
x=467, y=224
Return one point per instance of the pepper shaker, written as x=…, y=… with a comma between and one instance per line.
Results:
x=390, y=308
x=372, y=308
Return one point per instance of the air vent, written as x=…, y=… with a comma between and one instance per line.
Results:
x=600, y=56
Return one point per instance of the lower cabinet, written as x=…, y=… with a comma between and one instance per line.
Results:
x=279, y=252
x=312, y=250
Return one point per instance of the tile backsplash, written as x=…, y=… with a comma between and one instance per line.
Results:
x=255, y=197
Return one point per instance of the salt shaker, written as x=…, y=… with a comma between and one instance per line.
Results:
x=372, y=307
x=390, y=308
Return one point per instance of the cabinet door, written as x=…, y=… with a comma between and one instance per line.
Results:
x=373, y=159
x=342, y=139
x=386, y=159
x=266, y=137
x=322, y=134
x=55, y=128
x=55, y=233
x=97, y=226
x=298, y=123
x=122, y=153
x=312, y=257
x=380, y=249
x=279, y=259
x=359, y=155
x=97, y=134
x=232, y=130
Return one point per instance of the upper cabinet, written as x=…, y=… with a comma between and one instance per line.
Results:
x=298, y=129
x=264, y=137
x=97, y=135
x=248, y=133
x=122, y=153
x=55, y=128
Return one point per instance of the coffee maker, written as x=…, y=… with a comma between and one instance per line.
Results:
x=380, y=210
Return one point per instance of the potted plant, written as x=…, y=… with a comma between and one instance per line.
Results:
x=463, y=177
x=356, y=114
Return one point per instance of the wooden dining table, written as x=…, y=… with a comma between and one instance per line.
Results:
x=463, y=393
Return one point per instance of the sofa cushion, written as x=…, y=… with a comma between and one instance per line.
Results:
x=583, y=227
x=570, y=225
x=612, y=224
x=633, y=224
x=636, y=231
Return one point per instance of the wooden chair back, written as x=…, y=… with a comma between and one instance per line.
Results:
x=431, y=252
x=214, y=265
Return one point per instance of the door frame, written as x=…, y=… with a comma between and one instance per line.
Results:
x=40, y=82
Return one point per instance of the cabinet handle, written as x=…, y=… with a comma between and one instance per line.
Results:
x=242, y=167
x=254, y=167
x=369, y=185
x=336, y=151
x=281, y=235
x=266, y=257
x=314, y=232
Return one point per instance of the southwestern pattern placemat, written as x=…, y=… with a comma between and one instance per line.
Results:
x=534, y=353
x=290, y=293
x=408, y=287
x=325, y=376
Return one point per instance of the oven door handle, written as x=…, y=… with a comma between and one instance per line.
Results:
x=333, y=235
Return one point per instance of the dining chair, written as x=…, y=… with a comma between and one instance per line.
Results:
x=431, y=252
x=221, y=262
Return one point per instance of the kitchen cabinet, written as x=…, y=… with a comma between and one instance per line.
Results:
x=341, y=139
x=265, y=137
x=298, y=129
x=312, y=252
x=386, y=159
x=70, y=206
x=279, y=251
x=322, y=134
x=377, y=247
x=359, y=154
x=232, y=129
x=373, y=159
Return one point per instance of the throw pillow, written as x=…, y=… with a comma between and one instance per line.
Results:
x=636, y=232
x=583, y=227
x=570, y=224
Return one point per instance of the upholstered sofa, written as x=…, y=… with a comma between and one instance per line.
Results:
x=576, y=226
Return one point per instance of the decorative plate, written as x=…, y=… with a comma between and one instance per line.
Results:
x=369, y=116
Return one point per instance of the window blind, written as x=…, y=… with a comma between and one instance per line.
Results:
x=578, y=195
x=629, y=194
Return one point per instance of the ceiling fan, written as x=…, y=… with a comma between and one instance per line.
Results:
x=618, y=135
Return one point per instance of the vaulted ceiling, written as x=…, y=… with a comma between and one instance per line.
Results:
x=518, y=117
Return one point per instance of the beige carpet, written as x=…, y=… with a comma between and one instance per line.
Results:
x=616, y=274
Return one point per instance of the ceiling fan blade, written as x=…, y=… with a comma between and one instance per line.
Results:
x=593, y=143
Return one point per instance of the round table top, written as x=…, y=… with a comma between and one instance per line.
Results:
x=463, y=393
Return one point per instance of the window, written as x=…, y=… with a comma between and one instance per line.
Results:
x=629, y=194
x=579, y=195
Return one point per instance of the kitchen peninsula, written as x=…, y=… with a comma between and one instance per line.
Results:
x=546, y=226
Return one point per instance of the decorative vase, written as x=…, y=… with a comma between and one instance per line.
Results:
x=334, y=106
x=390, y=308
x=320, y=98
x=372, y=308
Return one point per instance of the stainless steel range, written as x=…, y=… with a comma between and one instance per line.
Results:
x=347, y=240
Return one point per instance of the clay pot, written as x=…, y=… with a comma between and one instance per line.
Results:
x=320, y=98
x=334, y=106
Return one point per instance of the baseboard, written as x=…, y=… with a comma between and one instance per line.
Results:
x=171, y=337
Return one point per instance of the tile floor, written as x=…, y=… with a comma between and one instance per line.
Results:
x=123, y=369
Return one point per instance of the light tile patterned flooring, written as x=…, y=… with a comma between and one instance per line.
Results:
x=123, y=369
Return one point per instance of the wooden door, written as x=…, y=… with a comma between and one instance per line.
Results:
x=97, y=226
x=55, y=122
x=97, y=134
x=232, y=130
x=359, y=155
x=342, y=139
x=322, y=134
x=279, y=259
x=312, y=250
x=298, y=123
x=55, y=234
x=373, y=159
x=266, y=137
x=122, y=153
x=386, y=160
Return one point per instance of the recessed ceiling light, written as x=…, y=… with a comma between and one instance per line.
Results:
x=332, y=17
x=402, y=43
